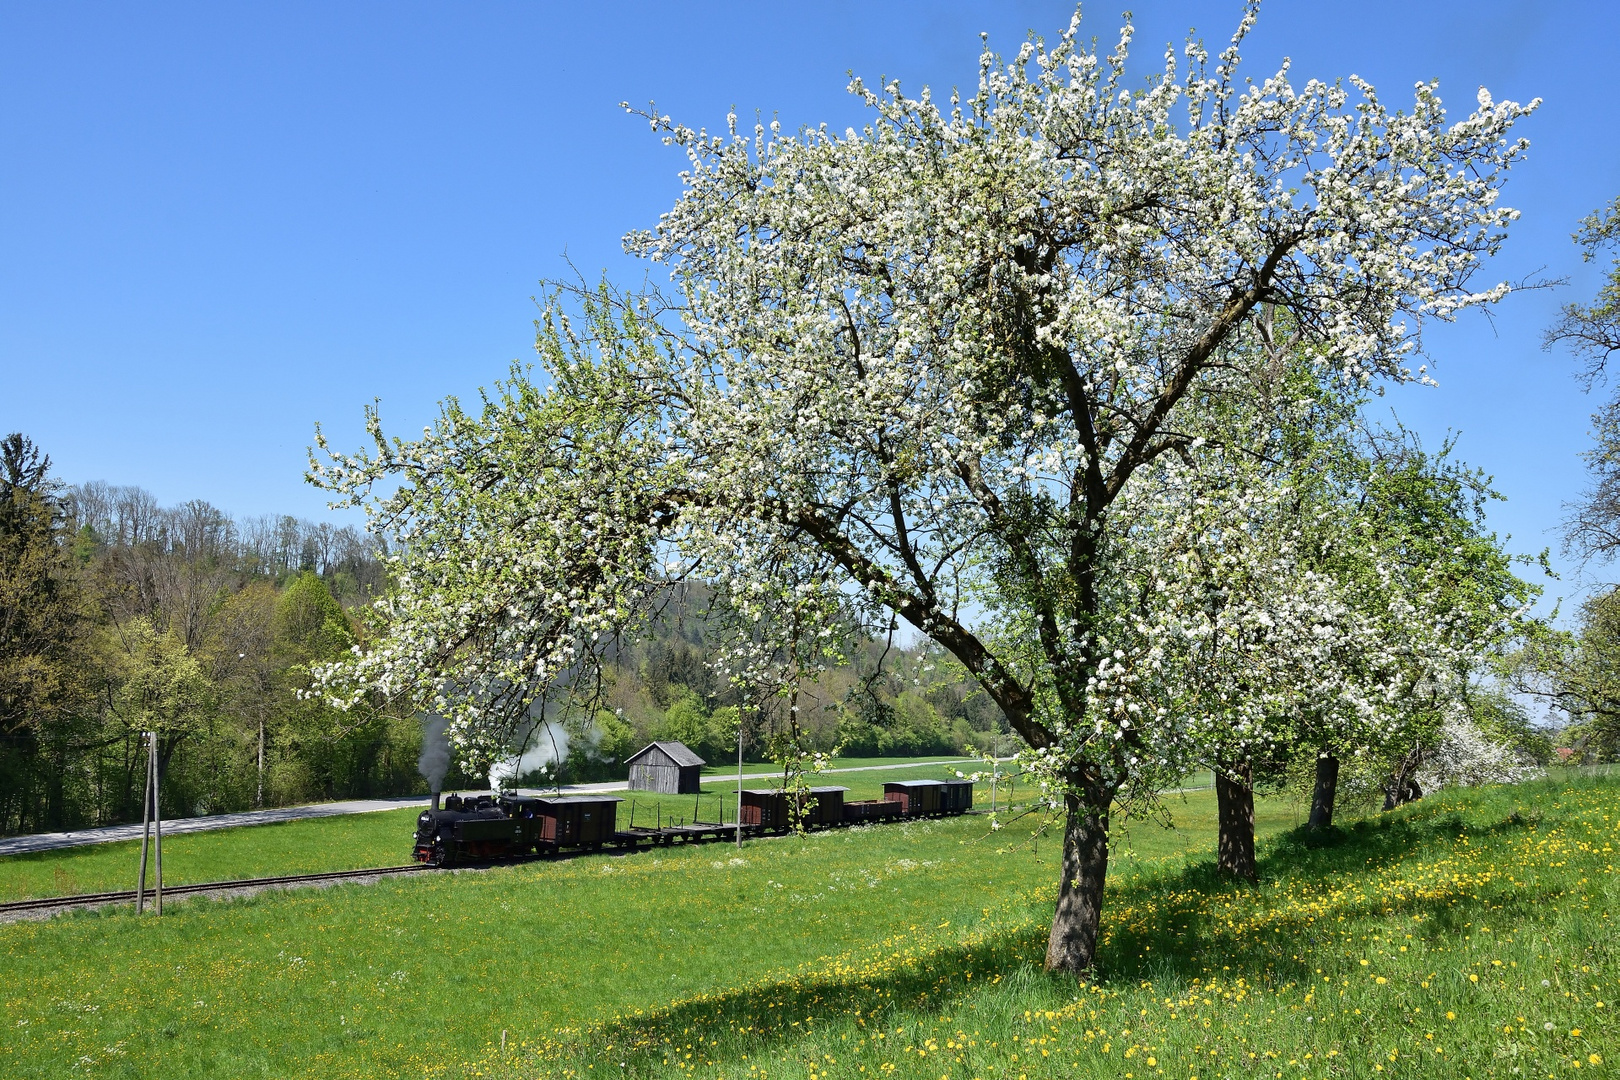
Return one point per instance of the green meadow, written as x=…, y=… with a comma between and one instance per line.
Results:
x=1467, y=935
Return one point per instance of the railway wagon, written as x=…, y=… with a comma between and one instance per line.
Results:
x=764, y=807
x=859, y=810
x=824, y=806
x=956, y=797
x=565, y=820
x=768, y=808
x=917, y=798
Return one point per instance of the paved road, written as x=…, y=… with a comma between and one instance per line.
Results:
x=18, y=845
x=21, y=845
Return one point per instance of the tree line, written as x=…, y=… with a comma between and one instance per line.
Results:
x=119, y=615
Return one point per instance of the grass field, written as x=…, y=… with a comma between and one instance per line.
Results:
x=899, y=950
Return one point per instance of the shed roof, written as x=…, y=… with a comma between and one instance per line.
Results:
x=675, y=751
x=552, y=800
x=913, y=783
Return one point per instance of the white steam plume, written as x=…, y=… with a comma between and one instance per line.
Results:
x=435, y=759
x=547, y=745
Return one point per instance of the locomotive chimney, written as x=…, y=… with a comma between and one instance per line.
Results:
x=435, y=799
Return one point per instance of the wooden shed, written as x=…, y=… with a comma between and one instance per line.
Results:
x=668, y=768
x=577, y=819
x=917, y=797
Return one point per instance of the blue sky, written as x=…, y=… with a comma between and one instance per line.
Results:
x=223, y=223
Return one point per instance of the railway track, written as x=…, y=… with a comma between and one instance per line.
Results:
x=53, y=903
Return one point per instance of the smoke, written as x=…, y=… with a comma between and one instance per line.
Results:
x=435, y=759
x=547, y=746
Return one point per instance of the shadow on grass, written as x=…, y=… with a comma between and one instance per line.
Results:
x=1180, y=942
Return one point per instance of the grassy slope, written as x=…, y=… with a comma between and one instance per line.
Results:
x=392, y=978
x=1469, y=935
x=915, y=948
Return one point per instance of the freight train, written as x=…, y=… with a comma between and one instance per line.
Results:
x=484, y=828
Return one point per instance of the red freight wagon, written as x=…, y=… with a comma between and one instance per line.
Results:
x=917, y=798
x=764, y=807
x=588, y=820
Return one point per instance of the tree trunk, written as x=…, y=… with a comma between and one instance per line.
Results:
x=1073, y=944
x=1400, y=792
x=1327, y=789
x=1402, y=786
x=1234, y=797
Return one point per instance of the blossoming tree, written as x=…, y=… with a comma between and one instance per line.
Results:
x=916, y=370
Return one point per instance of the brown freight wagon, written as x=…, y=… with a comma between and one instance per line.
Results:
x=917, y=798
x=956, y=797
x=858, y=810
x=764, y=807
x=825, y=806
x=577, y=820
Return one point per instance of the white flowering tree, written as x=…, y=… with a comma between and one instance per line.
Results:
x=916, y=370
x=1295, y=596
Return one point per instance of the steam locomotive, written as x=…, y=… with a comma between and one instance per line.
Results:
x=482, y=828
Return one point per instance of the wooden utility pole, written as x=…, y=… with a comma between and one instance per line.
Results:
x=157, y=820
x=146, y=827
x=151, y=815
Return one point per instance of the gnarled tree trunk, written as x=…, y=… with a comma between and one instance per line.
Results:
x=1073, y=944
x=1234, y=797
x=1327, y=790
x=1402, y=786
